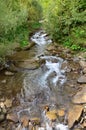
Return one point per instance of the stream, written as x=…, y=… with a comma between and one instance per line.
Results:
x=37, y=88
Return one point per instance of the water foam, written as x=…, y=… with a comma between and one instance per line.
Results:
x=53, y=65
x=40, y=38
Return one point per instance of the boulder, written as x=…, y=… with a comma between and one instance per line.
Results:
x=80, y=97
x=12, y=117
x=74, y=114
x=82, y=79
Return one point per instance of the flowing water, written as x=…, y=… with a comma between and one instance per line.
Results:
x=38, y=87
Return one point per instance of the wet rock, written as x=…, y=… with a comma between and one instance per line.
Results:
x=8, y=103
x=82, y=79
x=74, y=114
x=8, y=73
x=80, y=97
x=12, y=117
x=24, y=121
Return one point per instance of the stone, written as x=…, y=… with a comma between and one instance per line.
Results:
x=8, y=73
x=8, y=103
x=1, y=128
x=4, y=81
x=51, y=115
x=2, y=117
x=82, y=79
x=2, y=105
x=35, y=120
x=83, y=63
x=61, y=112
x=25, y=121
x=74, y=114
x=84, y=70
x=12, y=117
x=80, y=97
x=51, y=48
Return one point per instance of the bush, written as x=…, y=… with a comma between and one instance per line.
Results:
x=16, y=19
x=66, y=20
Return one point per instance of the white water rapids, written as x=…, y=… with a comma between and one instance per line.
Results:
x=52, y=73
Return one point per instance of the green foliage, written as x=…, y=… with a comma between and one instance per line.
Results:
x=66, y=22
x=17, y=18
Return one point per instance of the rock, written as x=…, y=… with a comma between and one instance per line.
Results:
x=12, y=117
x=2, y=117
x=2, y=99
x=74, y=114
x=82, y=79
x=84, y=70
x=2, y=105
x=1, y=128
x=8, y=103
x=51, y=48
x=4, y=81
x=19, y=127
x=61, y=112
x=80, y=97
x=25, y=121
x=83, y=63
x=51, y=115
x=35, y=121
x=8, y=73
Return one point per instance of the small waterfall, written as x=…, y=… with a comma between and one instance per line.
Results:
x=61, y=127
x=53, y=65
x=40, y=38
